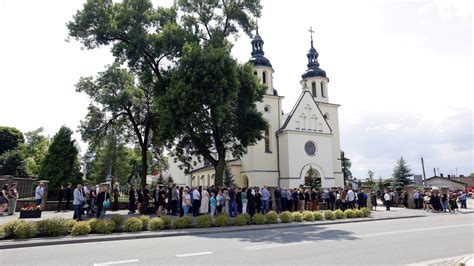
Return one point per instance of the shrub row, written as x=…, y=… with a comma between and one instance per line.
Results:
x=20, y=229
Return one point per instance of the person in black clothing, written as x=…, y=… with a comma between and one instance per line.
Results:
x=332, y=199
x=60, y=197
x=116, y=198
x=101, y=197
x=146, y=198
x=68, y=196
x=360, y=200
x=277, y=194
x=258, y=201
x=307, y=200
x=238, y=199
x=251, y=204
x=140, y=200
x=180, y=206
x=131, y=199
x=295, y=199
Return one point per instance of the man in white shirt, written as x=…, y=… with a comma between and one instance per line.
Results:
x=196, y=202
x=387, y=200
x=39, y=194
x=351, y=199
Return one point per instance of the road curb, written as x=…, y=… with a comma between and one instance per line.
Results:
x=39, y=242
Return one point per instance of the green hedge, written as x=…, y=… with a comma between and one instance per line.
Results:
x=203, y=221
x=119, y=220
x=133, y=225
x=222, y=220
x=318, y=216
x=272, y=217
x=286, y=217
x=366, y=211
x=81, y=228
x=308, y=216
x=167, y=221
x=52, y=227
x=145, y=220
x=297, y=217
x=104, y=227
x=349, y=213
x=329, y=215
x=358, y=213
x=258, y=218
x=183, y=222
x=339, y=214
x=24, y=230
x=241, y=220
x=156, y=224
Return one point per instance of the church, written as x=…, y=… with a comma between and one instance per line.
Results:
x=306, y=138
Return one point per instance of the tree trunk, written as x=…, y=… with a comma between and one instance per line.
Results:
x=144, y=168
x=219, y=168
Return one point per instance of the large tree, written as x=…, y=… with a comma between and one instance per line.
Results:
x=401, y=174
x=148, y=39
x=61, y=164
x=210, y=111
x=12, y=160
x=120, y=103
x=35, y=151
x=10, y=138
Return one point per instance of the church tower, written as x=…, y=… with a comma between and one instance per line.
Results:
x=260, y=163
x=314, y=79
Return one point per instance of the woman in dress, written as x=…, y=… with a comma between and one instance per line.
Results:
x=204, y=202
x=213, y=204
x=226, y=196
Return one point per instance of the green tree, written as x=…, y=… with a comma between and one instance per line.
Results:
x=61, y=164
x=213, y=112
x=10, y=139
x=471, y=175
x=228, y=178
x=35, y=151
x=370, y=180
x=401, y=174
x=312, y=178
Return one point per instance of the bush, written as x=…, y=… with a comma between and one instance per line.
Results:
x=104, y=227
x=203, y=221
x=366, y=211
x=93, y=223
x=52, y=227
x=167, y=221
x=286, y=217
x=9, y=228
x=241, y=220
x=339, y=214
x=70, y=224
x=81, y=228
x=24, y=230
x=272, y=217
x=247, y=216
x=308, y=216
x=145, y=220
x=258, y=218
x=183, y=222
x=297, y=217
x=329, y=215
x=349, y=213
x=222, y=220
x=318, y=216
x=358, y=213
x=2, y=232
x=133, y=224
x=156, y=224
x=118, y=220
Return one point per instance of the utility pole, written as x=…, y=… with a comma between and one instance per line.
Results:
x=434, y=170
x=423, y=166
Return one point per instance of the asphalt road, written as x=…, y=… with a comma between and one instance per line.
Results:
x=379, y=242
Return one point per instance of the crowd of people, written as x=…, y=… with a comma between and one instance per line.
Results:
x=8, y=199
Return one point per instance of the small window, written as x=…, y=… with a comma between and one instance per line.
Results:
x=264, y=77
x=313, y=89
x=255, y=73
x=322, y=90
x=266, y=108
x=267, y=140
x=310, y=148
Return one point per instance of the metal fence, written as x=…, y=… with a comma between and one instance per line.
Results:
x=25, y=186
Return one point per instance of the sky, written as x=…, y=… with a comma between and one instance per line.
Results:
x=401, y=71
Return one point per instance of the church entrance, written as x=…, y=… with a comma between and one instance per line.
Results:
x=245, y=181
x=312, y=178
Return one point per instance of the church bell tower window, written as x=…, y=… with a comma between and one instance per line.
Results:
x=322, y=90
x=313, y=89
x=267, y=140
x=264, y=77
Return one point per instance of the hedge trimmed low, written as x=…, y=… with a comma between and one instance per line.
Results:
x=258, y=218
x=52, y=227
x=358, y=213
x=349, y=213
x=339, y=214
x=366, y=211
x=222, y=220
x=286, y=217
x=183, y=222
x=297, y=217
x=104, y=227
x=308, y=216
x=119, y=220
x=81, y=228
x=318, y=216
x=241, y=220
x=145, y=220
x=133, y=225
x=156, y=224
x=329, y=215
x=203, y=221
x=24, y=230
x=272, y=217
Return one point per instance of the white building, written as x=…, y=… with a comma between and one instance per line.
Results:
x=307, y=137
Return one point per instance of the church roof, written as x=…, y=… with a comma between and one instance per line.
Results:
x=258, y=55
x=288, y=119
x=313, y=64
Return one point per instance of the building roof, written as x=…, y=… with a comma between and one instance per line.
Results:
x=313, y=64
x=446, y=179
x=258, y=55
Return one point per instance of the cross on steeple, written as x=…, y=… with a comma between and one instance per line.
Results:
x=311, y=31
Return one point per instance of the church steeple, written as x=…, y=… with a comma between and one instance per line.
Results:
x=313, y=64
x=258, y=58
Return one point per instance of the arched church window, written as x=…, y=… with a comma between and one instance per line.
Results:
x=267, y=140
x=264, y=77
x=322, y=90
x=313, y=89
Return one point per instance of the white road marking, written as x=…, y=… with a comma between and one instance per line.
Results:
x=115, y=262
x=193, y=254
x=443, y=261
x=356, y=236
